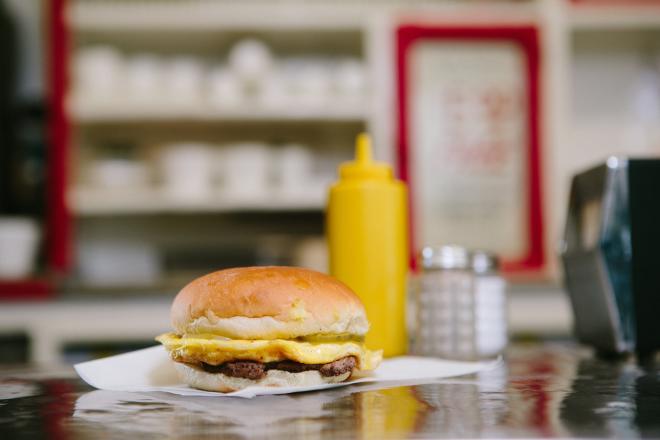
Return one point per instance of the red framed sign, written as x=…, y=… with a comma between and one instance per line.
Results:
x=468, y=139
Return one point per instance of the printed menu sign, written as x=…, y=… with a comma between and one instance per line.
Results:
x=468, y=125
x=469, y=141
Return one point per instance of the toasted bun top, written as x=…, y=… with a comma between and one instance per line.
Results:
x=268, y=303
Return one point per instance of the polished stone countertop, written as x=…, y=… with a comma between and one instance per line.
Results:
x=549, y=390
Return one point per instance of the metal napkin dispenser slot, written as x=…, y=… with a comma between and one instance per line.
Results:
x=611, y=255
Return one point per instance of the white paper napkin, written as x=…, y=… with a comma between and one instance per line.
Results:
x=151, y=369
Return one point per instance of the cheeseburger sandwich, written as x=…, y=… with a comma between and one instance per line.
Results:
x=267, y=326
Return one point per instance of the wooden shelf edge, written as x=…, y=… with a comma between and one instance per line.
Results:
x=93, y=203
x=124, y=114
x=212, y=17
x=614, y=16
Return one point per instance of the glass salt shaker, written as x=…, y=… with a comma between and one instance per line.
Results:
x=490, y=305
x=461, y=304
x=444, y=303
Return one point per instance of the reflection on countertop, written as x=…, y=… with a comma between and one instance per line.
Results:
x=539, y=391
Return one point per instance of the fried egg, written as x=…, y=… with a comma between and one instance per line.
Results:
x=215, y=351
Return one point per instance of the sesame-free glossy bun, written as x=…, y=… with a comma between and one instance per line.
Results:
x=268, y=303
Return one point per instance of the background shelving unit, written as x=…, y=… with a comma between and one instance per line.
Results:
x=210, y=29
x=576, y=37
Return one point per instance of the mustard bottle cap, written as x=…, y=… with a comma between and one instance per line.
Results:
x=364, y=167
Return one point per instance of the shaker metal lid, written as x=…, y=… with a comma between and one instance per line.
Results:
x=484, y=262
x=444, y=257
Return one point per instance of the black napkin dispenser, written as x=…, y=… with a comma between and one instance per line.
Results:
x=610, y=255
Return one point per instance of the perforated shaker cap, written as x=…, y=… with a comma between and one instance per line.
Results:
x=484, y=262
x=444, y=257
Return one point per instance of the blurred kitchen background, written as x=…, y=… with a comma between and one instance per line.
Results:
x=143, y=143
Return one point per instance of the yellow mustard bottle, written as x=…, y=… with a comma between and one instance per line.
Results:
x=366, y=225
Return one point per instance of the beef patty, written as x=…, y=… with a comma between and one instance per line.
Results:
x=257, y=370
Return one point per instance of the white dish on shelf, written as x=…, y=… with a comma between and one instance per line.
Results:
x=251, y=60
x=98, y=72
x=247, y=170
x=183, y=80
x=350, y=81
x=294, y=168
x=118, y=174
x=143, y=82
x=108, y=263
x=187, y=171
x=224, y=89
x=19, y=242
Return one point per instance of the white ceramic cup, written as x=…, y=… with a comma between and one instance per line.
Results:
x=247, y=170
x=275, y=89
x=308, y=81
x=19, y=241
x=224, y=89
x=118, y=174
x=294, y=169
x=251, y=60
x=99, y=73
x=314, y=83
x=350, y=80
x=144, y=79
x=184, y=78
x=104, y=262
x=187, y=171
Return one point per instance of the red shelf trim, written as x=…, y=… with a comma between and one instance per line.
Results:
x=25, y=289
x=58, y=233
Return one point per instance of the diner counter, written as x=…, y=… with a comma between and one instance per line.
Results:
x=538, y=391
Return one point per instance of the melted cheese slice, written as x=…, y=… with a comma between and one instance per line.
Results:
x=191, y=349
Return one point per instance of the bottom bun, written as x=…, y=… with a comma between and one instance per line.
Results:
x=202, y=380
